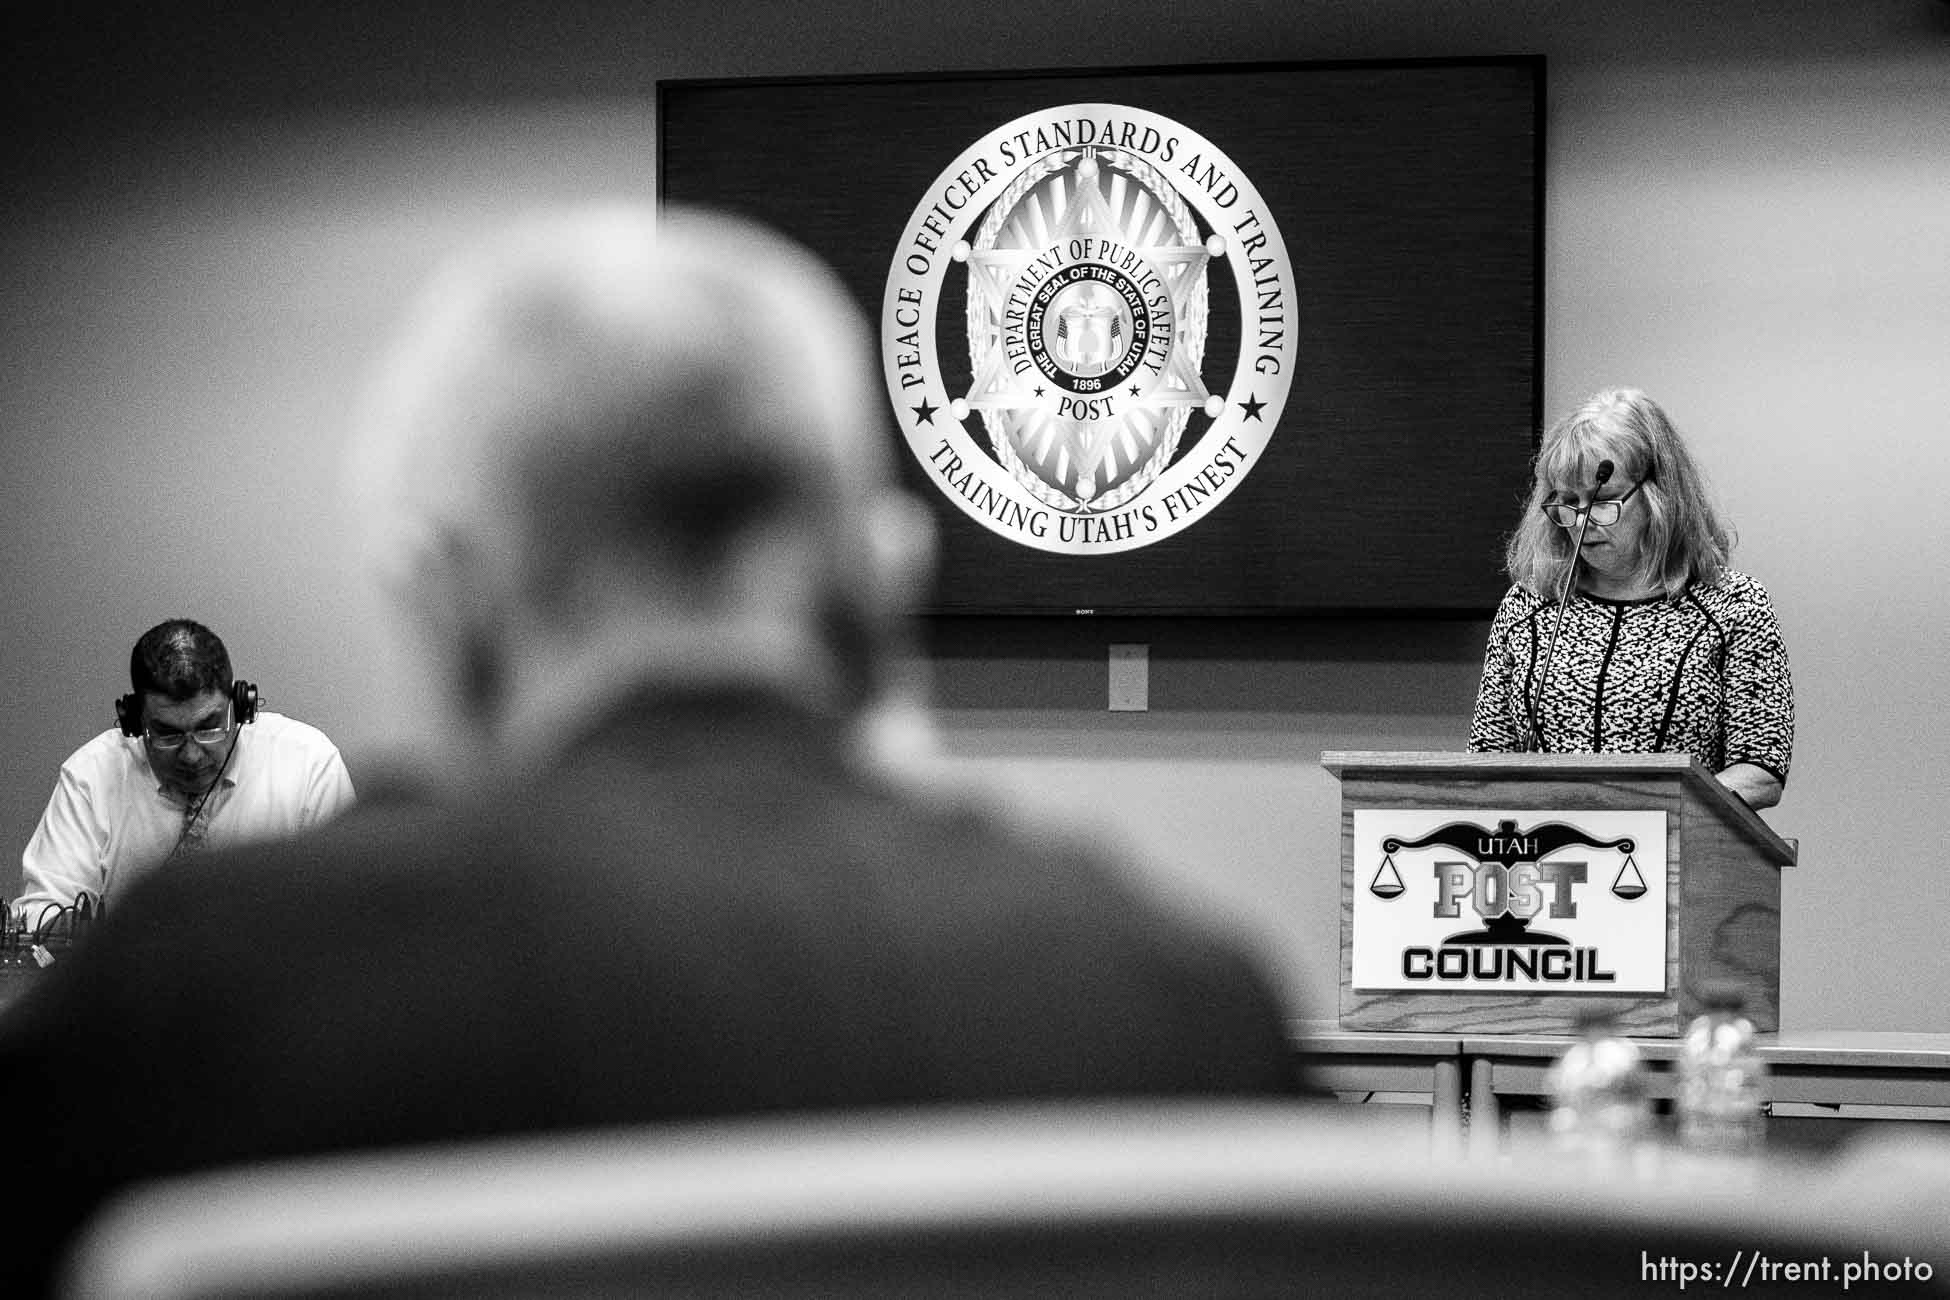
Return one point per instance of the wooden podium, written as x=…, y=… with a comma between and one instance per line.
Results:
x=1721, y=887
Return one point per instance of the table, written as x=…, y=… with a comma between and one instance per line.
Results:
x=1470, y=1077
x=1369, y=1061
x=1823, y=1067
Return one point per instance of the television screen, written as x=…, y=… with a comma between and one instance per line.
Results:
x=1253, y=339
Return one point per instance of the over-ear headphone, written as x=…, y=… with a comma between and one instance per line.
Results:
x=243, y=707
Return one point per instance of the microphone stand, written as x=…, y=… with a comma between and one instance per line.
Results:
x=1557, y=625
x=1563, y=603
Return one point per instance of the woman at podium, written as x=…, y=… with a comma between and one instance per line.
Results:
x=1624, y=629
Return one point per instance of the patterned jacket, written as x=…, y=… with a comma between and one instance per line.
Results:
x=1704, y=672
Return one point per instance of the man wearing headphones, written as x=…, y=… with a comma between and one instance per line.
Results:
x=192, y=763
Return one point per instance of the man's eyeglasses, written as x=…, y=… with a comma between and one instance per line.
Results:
x=1602, y=513
x=206, y=736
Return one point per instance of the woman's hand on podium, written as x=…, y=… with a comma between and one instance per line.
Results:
x=1758, y=786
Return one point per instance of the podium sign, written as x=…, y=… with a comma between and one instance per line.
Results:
x=1503, y=893
x=1563, y=900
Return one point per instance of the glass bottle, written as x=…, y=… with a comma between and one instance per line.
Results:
x=1600, y=1108
x=1722, y=1079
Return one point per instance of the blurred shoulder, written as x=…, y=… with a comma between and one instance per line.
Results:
x=989, y=827
x=413, y=858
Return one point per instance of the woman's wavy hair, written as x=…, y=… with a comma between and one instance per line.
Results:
x=1685, y=538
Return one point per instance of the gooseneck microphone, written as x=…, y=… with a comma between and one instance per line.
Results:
x=1598, y=480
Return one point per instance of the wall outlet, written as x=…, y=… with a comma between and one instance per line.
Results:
x=1130, y=678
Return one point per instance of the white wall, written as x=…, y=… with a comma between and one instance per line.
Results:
x=1749, y=221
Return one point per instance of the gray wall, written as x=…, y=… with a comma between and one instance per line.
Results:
x=207, y=229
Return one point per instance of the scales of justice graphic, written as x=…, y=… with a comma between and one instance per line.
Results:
x=1508, y=848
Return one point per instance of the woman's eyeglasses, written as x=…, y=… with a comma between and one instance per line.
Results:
x=1602, y=513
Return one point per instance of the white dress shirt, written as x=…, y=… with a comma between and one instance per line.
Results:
x=109, y=819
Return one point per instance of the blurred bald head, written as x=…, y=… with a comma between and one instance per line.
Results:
x=627, y=435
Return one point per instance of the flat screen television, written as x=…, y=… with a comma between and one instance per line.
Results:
x=1221, y=340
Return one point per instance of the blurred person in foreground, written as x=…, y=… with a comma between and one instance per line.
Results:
x=627, y=472
x=192, y=764
x=1663, y=647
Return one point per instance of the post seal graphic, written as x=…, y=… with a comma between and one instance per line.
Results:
x=1089, y=242
x=1513, y=901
